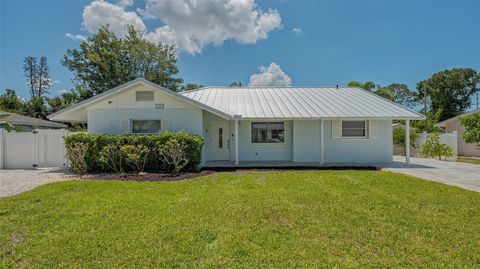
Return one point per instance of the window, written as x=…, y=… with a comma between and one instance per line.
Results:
x=220, y=138
x=144, y=96
x=145, y=126
x=354, y=128
x=268, y=132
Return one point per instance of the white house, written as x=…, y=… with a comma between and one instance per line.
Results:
x=253, y=126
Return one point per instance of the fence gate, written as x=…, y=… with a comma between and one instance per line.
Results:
x=40, y=148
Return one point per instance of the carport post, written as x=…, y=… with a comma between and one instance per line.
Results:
x=407, y=141
x=2, y=146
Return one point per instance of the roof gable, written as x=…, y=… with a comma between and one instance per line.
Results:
x=443, y=123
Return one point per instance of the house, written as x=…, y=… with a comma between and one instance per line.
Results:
x=253, y=125
x=21, y=123
x=453, y=124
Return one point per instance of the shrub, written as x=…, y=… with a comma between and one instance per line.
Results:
x=434, y=148
x=76, y=154
x=112, y=157
x=154, y=162
x=174, y=154
x=399, y=137
x=136, y=156
x=472, y=129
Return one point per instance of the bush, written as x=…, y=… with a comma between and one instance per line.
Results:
x=174, y=155
x=434, y=148
x=76, y=154
x=153, y=163
x=112, y=157
x=399, y=137
x=136, y=156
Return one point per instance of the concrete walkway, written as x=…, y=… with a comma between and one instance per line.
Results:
x=16, y=181
x=463, y=175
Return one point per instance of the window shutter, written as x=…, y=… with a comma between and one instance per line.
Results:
x=165, y=125
x=336, y=129
x=372, y=129
x=125, y=126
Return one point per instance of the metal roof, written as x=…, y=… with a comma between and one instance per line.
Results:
x=299, y=102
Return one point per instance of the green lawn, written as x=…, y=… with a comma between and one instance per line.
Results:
x=468, y=160
x=244, y=219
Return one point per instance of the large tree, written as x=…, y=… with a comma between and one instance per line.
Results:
x=11, y=102
x=398, y=93
x=105, y=61
x=37, y=75
x=67, y=99
x=368, y=85
x=450, y=91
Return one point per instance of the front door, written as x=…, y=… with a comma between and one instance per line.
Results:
x=221, y=147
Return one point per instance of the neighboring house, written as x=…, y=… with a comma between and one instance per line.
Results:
x=453, y=124
x=253, y=125
x=21, y=123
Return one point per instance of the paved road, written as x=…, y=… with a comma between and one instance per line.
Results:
x=464, y=175
x=17, y=181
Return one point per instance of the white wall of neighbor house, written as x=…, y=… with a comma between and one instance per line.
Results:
x=114, y=115
x=375, y=148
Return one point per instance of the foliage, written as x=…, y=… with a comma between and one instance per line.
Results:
x=174, y=153
x=76, y=154
x=434, y=148
x=450, y=90
x=428, y=125
x=111, y=156
x=153, y=163
x=67, y=99
x=135, y=156
x=472, y=128
x=236, y=84
x=399, y=137
x=37, y=75
x=368, y=85
x=254, y=219
x=398, y=93
x=106, y=61
x=11, y=102
x=4, y=124
x=191, y=86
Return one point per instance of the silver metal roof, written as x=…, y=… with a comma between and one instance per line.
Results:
x=299, y=102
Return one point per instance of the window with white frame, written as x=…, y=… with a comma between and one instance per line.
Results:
x=354, y=128
x=268, y=132
x=146, y=126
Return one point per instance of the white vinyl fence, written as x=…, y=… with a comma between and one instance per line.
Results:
x=40, y=148
x=450, y=139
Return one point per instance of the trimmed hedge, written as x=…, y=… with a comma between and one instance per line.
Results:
x=96, y=142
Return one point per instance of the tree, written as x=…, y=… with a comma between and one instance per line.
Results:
x=105, y=61
x=37, y=75
x=67, y=99
x=434, y=148
x=191, y=86
x=236, y=84
x=10, y=102
x=450, y=90
x=398, y=93
x=368, y=85
x=472, y=128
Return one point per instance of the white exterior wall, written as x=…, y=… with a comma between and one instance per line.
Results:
x=266, y=152
x=306, y=141
x=361, y=150
x=110, y=115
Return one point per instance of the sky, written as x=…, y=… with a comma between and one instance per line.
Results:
x=296, y=42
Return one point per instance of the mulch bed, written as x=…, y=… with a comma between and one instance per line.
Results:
x=148, y=176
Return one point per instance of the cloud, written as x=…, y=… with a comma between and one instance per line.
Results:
x=189, y=24
x=297, y=31
x=76, y=37
x=273, y=75
x=100, y=13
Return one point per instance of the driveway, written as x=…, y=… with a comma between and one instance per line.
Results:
x=17, y=181
x=463, y=175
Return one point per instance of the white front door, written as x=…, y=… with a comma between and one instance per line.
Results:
x=220, y=141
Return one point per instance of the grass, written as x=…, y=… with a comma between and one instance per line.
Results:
x=272, y=219
x=468, y=160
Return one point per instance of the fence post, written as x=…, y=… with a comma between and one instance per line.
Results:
x=2, y=147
